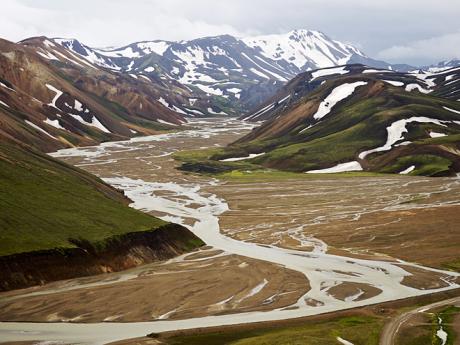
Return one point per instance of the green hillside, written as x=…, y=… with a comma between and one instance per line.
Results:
x=45, y=204
x=298, y=137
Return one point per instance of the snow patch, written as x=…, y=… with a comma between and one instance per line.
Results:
x=338, y=94
x=6, y=87
x=58, y=94
x=394, y=82
x=452, y=110
x=215, y=113
x=158, y=47
x=408, y=170
x=437, y=135
x=252, y=155
x=411, y=87
x=54, y=123
x=395, y=133
x=328, y=71
x=342, y=167
x=343, y=341
x=376, y=71
x=163, y=101
x=94, y=122
x=48, y=56
x=33, y=125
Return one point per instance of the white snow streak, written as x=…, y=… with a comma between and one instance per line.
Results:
x=338, y=94
x=328, y=71
x=39, y=129
x=408, y=170
x=395, y=133
x=58, y=94
x=252, y=155
x=342, y=167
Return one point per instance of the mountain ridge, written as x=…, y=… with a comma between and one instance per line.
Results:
x=352, y=118
x=225, y=67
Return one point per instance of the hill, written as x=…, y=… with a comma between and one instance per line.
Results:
x=59, y=222
x=52, y=99
x=353, y=118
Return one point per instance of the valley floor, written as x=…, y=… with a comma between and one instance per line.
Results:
x=277, y=248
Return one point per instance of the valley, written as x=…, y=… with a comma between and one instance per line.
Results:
x=316, y=244
x=208, y=184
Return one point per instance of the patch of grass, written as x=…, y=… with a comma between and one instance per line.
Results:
x=452, y=265
x=426, y=165
x=202, y=161
x=196, y=155
x=353, y=126
x=359, y=330
x=417, y=335
x=44, y=203
x=272, y=175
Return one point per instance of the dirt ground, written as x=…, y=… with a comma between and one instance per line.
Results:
x=200, y=284
x=413, y=219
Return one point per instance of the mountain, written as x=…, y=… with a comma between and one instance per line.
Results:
x=445, y=83
x=236, y=73
x=355, y=118
x=51, y=98
x=75, y=224
x=443, y=65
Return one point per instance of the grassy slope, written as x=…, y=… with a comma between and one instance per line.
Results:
x=352, y=129
x=353, y=126
x=44, y=202
x=359, y=330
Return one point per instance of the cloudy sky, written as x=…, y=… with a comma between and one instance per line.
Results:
x=411, y=31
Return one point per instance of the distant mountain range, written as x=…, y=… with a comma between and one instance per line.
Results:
x=59, y=92
x=242, y=72
x=441, y=66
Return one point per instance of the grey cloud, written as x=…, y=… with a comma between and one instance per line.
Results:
x=380, y=28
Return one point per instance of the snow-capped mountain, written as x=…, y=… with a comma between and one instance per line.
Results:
x=304, y=49
x=238, y=71
x=350, y=118
x=443, y=65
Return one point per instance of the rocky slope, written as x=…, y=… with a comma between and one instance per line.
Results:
x=357, y=118
x=51, y=98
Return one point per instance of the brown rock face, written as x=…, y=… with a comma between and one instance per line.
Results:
x=51, y=99
x=115, y=254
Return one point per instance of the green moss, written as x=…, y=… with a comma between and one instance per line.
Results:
x=44, y=203
x=452, y=265
x=353, y=126
x=426, y=165
x=272, y=175
x=359, y=330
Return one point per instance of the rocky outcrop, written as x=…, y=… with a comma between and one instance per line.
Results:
x=114, y=254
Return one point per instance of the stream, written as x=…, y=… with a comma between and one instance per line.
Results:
x=182, y=199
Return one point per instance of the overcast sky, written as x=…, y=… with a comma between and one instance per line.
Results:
x=411, y=31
